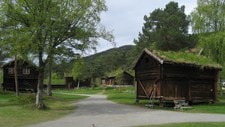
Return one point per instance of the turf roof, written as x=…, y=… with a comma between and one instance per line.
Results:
x=186, y=58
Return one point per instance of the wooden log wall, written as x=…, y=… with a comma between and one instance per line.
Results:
x=193, y=83
x=146, y=75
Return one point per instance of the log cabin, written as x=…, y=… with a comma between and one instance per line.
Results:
x=108, y=81
x=170, y=76
x=127, y=79
x=122, y=78
x=27, y=76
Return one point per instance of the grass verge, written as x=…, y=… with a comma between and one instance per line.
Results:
x=94, y=90
x=208, y=124
x=19, y=111
x=123, y=95
x=126, y=95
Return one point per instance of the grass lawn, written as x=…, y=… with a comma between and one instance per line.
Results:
x=19, y=111
x=55, y=81
x=123, y=95
x=126, y=95
x=16, y=112
x=81, y=91
x=210, y=124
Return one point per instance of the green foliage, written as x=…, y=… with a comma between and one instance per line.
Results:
x=118, y=73
x=208, y=22
x=1, y=77
x=101, y=64
x=214, y=46
x=45, y=27
x=80, y=70
x=208, y=16
x=165, y=29
x=55, y=76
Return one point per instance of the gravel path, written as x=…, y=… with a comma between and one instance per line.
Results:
x=96, y=111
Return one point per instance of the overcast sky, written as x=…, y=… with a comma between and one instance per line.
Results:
x=125, y=18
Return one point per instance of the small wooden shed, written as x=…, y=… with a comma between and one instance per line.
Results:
x=170, y=76
x=122, y=78
x=27, y=76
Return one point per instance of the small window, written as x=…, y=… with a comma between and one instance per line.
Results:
x=10, y=71
x=26, y=71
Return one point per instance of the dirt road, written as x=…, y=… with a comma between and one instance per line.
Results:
x=96, y=111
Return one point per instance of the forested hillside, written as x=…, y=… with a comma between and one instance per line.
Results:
x=101, y=64
x=114, y=58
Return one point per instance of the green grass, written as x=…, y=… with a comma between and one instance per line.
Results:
x=123, y=95
x=87, y=90
x=55, y=81
x=189, y=58
x=218, y=107
x=126, y=95
x=16, y=112
x=208, y=124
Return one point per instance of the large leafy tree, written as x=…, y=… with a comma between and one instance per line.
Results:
x=208, y=21
x=209, y=16
x=165, y=29
x=45, y=26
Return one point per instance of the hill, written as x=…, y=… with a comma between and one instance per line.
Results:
x=111, y=60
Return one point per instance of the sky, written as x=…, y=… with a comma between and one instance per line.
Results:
x=125, y=18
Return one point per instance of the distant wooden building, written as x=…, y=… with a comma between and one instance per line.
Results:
x=70, y=83
x=27, y=76
x=124, y=79
x=127, y=79
x=83, y=83
x=175, y=79
x=109, y=81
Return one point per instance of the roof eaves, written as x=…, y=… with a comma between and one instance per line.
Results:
x=154, y=56
x=150, y=54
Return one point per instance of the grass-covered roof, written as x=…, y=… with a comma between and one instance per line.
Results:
x=186, y=58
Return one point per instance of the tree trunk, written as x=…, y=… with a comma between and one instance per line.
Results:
x=16, y=77
x=49, y=86
x=93, y=82
x=78, y=84
x=39, y=100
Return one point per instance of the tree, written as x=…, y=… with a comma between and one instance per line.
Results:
x=208, y=21
x=3, y=55
x=47, y=25
x=79, y=71
x=165, y=29
x=209, y=16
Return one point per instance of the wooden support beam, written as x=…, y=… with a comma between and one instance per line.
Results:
x=143, y=88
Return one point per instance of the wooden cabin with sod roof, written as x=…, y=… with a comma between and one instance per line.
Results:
x=170, y=76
